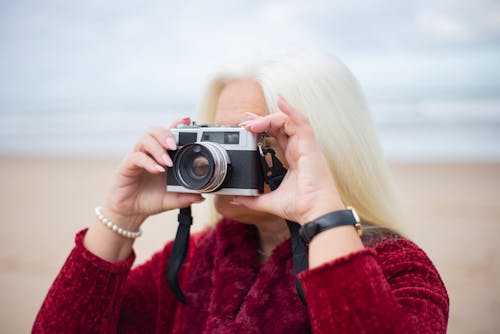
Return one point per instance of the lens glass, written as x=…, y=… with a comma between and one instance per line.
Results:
x=194, y=166
x=200, y=166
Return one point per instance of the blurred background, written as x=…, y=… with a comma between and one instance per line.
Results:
x=80, y=81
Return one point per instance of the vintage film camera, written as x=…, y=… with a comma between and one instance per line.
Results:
x=215, y=159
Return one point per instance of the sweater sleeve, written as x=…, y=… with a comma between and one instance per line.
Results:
x=91, y=295
x=392, y=288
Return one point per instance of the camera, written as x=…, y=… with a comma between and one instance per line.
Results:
x=215, y=159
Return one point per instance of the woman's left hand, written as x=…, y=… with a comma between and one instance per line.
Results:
x=308, y=190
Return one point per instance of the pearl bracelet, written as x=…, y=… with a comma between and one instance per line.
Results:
x=115, y=228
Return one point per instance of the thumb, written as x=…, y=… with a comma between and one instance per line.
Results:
x=263, y=203
x=181, y=200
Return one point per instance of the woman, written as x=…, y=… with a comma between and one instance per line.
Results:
x=238, y=276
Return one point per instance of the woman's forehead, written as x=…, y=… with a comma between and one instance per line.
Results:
x=237, y=98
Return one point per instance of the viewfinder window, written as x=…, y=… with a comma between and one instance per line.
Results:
x=222, y=137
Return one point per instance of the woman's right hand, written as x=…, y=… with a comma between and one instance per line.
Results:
x=139, y=187
x=138, y=191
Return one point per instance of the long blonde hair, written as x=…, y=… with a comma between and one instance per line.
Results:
x=323, y=88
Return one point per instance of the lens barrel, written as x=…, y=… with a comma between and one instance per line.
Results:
x=202, y=166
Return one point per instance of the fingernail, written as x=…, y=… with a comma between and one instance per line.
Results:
x=284, y=100
x=171, y=143
x=252, y=115
x=245, y=123
x=160, y=168
x=167, y=160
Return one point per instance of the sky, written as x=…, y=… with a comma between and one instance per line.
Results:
x=150, y=52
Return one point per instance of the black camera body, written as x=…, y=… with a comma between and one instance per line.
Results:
x=215, y=159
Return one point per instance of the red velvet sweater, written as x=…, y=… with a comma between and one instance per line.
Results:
x=391, y=286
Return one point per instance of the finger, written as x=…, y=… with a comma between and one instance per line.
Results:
x=251, y=115
x=138, y=161
x=166, y=140
x=297, y=123
x=161, y=135
x=153, y=147
x=263, y=203
x=250, y=118
x=183, y=120
x=287, y=109
x=273, y=124
x=169, y=139
x=181, y=200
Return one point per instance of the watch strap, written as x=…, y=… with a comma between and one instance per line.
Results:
x=330, y=220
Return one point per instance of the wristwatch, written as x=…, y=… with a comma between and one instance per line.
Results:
x=330, y=220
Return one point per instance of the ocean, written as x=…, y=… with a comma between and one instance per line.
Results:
x=438, y=130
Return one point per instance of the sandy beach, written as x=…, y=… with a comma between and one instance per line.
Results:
x=452, y=210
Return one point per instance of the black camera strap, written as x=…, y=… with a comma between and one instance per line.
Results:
x=179, y=252
x=273, y=175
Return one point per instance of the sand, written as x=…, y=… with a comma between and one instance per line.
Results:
x=452, y=209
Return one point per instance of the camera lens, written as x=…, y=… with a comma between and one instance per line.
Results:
x=201, y=166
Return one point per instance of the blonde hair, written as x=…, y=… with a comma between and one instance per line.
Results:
x=322, y=87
